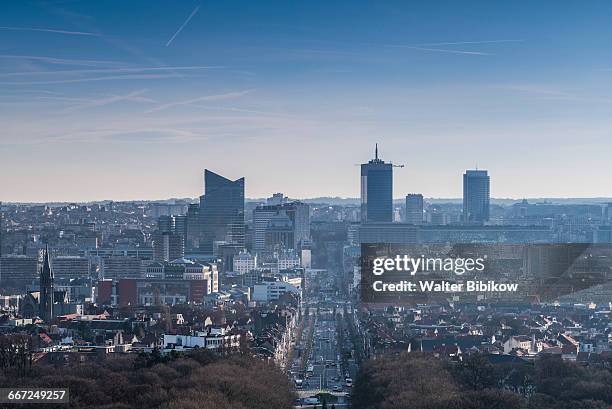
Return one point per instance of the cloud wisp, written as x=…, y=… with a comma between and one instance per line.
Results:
x=206, y=98
x=51, y=30
x=135, y=96
x=109, y=70
x=127, y=77
x=64, y=61
x=126, y=128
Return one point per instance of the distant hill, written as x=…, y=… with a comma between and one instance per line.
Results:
x=344, y=201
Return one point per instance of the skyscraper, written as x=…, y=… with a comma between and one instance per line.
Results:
x=279, y=233
x=1, y=228
x=169, y=241
x=221, y=211
x=166, y=224
x=476, y=196
x=180, y=226
x=46, y=289
x=168, y=246
x=261, y=219
x=192, y=236
x=298, y=222
x=376, y=190
x=414, y=208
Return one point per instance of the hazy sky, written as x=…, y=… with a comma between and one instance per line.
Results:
x=133, y=99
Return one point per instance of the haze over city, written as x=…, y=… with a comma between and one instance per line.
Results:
x=306, y=205
x=134, y=101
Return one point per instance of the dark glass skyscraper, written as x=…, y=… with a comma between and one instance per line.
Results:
x=192, y=235
x=221, y=211
x=476, y=196
x=376, y=190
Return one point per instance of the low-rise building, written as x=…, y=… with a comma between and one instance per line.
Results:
x=218, y=339
x=273, y=290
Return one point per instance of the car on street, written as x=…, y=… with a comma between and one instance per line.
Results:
x=312, y=400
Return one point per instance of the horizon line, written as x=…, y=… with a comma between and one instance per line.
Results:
x=322, y=198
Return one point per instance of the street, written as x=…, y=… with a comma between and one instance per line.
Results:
x=319, y=371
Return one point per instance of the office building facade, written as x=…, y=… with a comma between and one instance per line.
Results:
x=18, y=270
x=376, y=191
x=281, y=226
x=221, y=211
x=117, y=267
x=71, y=267
x=244, y=262
x=168, y=246
x=476, y=196
x=414, y=209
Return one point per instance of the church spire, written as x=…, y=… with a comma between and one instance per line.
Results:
x=46, y=262
x=46, y=288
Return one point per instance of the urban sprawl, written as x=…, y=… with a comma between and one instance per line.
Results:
x=279, y=280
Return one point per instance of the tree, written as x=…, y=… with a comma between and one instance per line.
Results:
x=404, y=381
x=16, y=353
x=173, y=381
x=476, y=372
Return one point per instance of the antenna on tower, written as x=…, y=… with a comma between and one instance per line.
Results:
x=376, y=152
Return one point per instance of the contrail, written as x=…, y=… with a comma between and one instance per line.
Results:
x=434, y=46
x=441, y=50
x=96, y=79
x=108, y=70
x=470, y=42
x=50, y=30
x=193, y=13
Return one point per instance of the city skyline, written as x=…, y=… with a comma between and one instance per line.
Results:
x=94, y=98
x=376, y=161
x=277, y=205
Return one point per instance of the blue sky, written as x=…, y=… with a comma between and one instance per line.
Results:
x=133, y=99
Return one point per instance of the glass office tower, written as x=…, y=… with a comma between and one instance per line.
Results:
x=476, y=196
x=376, y=190
x=221, y=211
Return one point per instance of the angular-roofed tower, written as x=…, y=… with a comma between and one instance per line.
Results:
x=221, y=211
